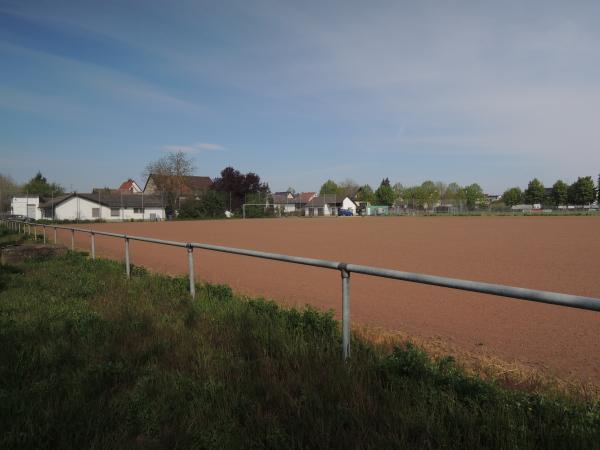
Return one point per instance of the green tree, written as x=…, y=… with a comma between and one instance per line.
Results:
x=399, y=190
x=535, y=192
x=385, y=194
x=238, y=186
x=473, y=195
x=212, y=204
x=512, y=196
x=39, y=185
x=330, y=187
x=429, y=194
x=411, y=196
x=442, y=189
x=454, y=193
x=560, y=193
x=582, y=192
x=366, y=194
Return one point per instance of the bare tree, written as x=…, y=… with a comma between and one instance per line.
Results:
x=399, y=190
x=8, y=188
x=169, y=175
x=348, y=187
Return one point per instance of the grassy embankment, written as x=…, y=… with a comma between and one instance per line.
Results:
x=91, y=360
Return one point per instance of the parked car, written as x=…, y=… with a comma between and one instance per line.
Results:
x=346, y=212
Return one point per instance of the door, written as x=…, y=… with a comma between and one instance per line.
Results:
x=31, y=211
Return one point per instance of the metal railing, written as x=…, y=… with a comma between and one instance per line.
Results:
x=345, y=269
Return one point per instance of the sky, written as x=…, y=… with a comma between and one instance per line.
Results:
x=483, y=91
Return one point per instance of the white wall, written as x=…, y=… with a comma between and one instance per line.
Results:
x=349, y=204
x=76, y=208
x=128, y=213
x=19, y=206
x=325, y=210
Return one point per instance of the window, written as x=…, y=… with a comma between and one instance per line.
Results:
x=95, y=213
x=138, y=210
x=114, y=212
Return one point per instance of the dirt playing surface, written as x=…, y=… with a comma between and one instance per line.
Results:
x=550, y=253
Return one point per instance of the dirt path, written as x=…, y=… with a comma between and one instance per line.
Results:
x=550, y=253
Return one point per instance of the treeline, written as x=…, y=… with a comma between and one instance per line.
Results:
x=582, y=192
x=423, y=196
x=431, y=193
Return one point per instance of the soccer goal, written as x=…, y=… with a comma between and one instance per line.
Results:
x=252, y=210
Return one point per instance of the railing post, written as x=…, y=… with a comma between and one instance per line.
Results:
x=127, y=268
x=93, y=236
x=55, y=240
x=35, y=233
x=44, y=231
x=345, y=312
x=72, y=240
x=190, y=252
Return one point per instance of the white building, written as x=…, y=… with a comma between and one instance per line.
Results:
x=27, y=206
x=283, y=201
x=328, y=205
x=98, y=206
x=287, y=202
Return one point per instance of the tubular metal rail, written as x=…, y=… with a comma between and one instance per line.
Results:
x=345, y=269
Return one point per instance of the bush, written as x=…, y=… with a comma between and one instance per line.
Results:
x=210, y=205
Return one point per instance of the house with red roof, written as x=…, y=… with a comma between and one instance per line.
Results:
x=130, y=186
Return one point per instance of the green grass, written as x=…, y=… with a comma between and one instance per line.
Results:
x=91, y=360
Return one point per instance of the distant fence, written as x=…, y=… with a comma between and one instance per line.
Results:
x=345, y=269
x=396, y=211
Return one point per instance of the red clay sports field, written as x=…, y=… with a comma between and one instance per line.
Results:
x=549, y=253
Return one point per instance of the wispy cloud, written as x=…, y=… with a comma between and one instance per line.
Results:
x=194, y=148
x=94, y=79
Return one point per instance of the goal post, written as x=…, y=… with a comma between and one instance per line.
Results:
x=264, y=206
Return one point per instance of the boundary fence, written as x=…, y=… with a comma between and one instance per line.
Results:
x=345, y=269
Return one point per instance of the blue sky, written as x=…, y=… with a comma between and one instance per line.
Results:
x=489, y=92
